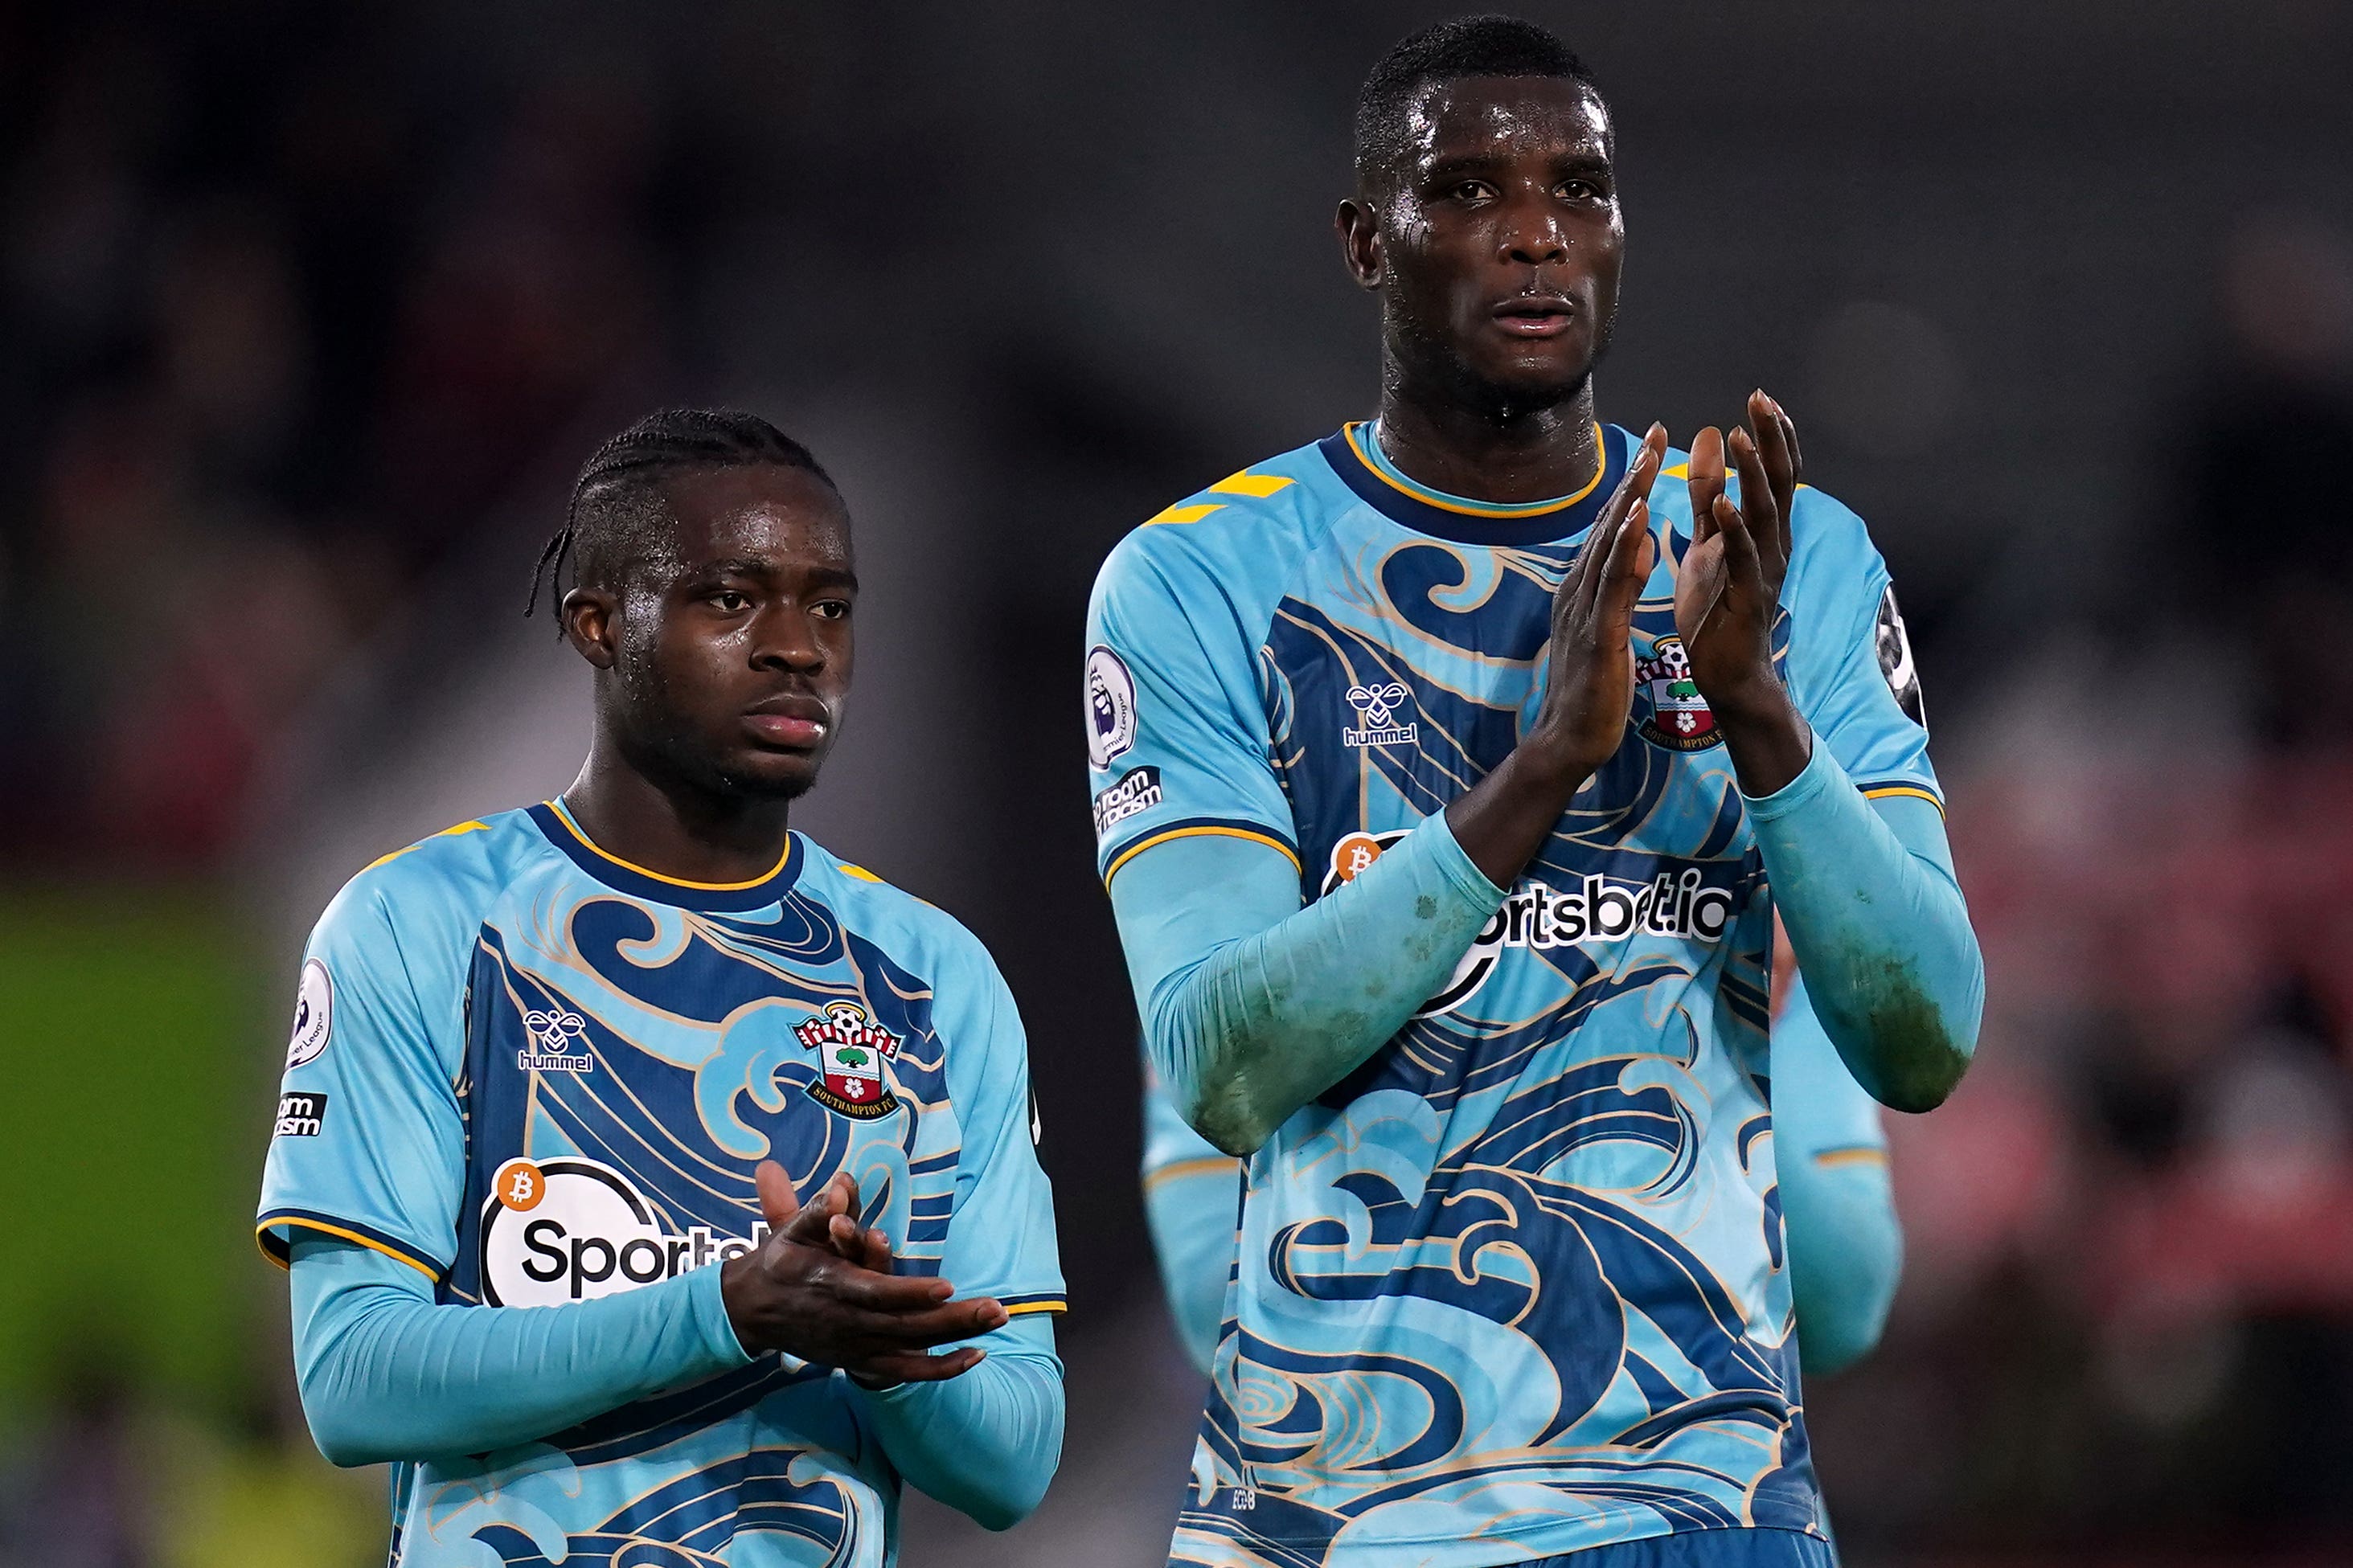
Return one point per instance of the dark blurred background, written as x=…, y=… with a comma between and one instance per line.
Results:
x=308, y=313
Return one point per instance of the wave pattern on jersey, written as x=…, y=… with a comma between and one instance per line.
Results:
x=695, y=1519
x=696, y=1076
x=1526, y=1260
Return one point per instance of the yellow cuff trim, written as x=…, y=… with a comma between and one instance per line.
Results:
x=260, y=1233
x=1886, y=792
x=1027, y=1307
x=1175, y=1170
x=1860, y=1155
x=1132, y=851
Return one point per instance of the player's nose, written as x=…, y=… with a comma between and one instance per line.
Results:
x=785, y=640
x=1532, y=235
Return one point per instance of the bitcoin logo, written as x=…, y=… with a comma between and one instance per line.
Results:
x=1353, y=854
x=519, y=1185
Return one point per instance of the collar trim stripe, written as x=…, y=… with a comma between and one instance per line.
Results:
x=557, y=823
x=1467, y=521
x=1364, y=441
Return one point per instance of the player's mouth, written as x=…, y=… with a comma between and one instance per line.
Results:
x=1535, y=315
x=796, y=723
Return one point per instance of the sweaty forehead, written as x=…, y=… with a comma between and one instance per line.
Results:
x=765, y=512
x=1503, y=117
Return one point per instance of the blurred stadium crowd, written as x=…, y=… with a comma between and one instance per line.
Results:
x=296, y=310
x=282, y=313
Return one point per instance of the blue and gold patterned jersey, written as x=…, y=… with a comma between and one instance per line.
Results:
x=1515, y=1286
x=539, y=1074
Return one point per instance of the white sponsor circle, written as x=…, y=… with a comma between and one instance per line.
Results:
x=572, y=1229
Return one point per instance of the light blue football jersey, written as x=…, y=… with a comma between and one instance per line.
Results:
x=539, y=1074
x=1514, y=1288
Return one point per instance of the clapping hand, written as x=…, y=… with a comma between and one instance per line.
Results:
x=1729, y=584
x=821, y=1288
x=1728, y=594
x=1589, y=687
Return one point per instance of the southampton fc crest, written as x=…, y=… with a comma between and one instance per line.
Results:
x=850, y=1049
x=1679, y=720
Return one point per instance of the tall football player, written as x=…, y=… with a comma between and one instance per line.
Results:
x=1511, y=1282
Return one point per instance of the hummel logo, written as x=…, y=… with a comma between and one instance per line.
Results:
x=559, y=1042
x=1377, y=709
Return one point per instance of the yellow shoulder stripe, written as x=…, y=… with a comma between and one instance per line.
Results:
x=445, y=832
x=1184, y=513
x=1861, y=1154
x=1243, y=484
x=1248, y=484
x=860, y=872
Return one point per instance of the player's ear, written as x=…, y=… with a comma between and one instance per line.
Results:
x=589, y=614
x=1360, y=241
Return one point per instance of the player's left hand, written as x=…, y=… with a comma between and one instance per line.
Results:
x=862, y=1246
x=825, y=1289
x=866, y=1248
x=1728, y=584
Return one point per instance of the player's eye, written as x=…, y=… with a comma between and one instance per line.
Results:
x=830, y=609
x=1472, y=191
x=728, y=602
x=1578, y=191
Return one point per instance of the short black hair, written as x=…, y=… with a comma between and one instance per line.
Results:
x=1468, y=45
x=616, y=501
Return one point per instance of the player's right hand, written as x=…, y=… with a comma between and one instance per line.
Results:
x=820, y=1288
x=1589, y=681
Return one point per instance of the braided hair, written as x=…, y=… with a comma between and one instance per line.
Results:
x=617, y=500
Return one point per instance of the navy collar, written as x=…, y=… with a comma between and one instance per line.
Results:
x=637, y=882
x=1431, y=512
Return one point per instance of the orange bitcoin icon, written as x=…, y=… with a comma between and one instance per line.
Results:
x=520, y=1186
x=1353, y=854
